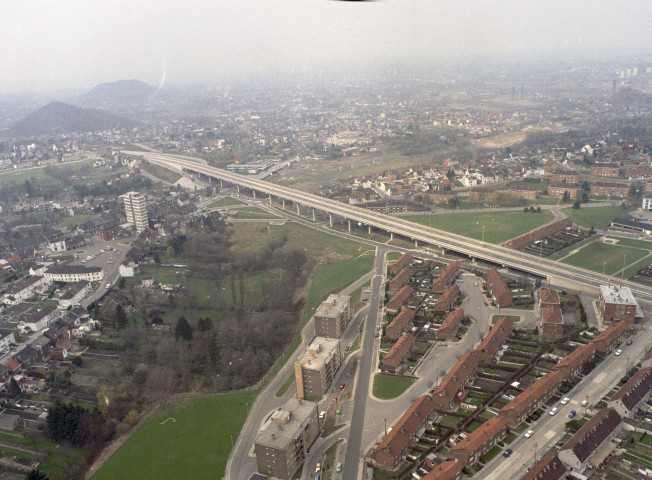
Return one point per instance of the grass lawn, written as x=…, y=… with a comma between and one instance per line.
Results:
x=513, y=318
x=393, y=256
x=632, y=269
x=499, y=226
x=225, y=202
x=565, y=251
x=165, y=174
x=391, y=386
x=77, y=220
x=252, y=213
x=595, y=254
x=596, y=217
x=196, y=445
x=285, y=386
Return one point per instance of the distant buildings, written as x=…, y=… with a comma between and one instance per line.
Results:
x=315, y=369
x=332, y=316
x=285, y=439
x=136, y=210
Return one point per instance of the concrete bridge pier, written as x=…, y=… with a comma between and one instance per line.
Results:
x=416, y=243
x=237, y=188
x=369, y=229
x=298, y=211
x=391, y=236
x=330, y=219
x=313, y=214
x=349, y=224
x=254, y=192
x=443, y=251
x=270, y=199
x=283, y=203
x=221, y=184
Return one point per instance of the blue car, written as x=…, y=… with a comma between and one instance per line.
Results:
x=572, y=414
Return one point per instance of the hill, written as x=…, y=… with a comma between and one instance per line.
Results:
x=122, y=91
x=58, y=117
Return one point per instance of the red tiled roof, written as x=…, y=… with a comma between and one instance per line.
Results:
x=551, y=314
x=399, y=299
x=533, y=393
x=577, y=357
x=13, y=364
x=497, y=284
x=593, y=433
x=496, y=336
x=445, y=276
x=452, y=319
x=395, y=328
x=405, y=429
x=548, y=295
x=481, y=435
x=548, y=468
x=400, y=263
x=449, y=295
x=448, y=470
x=610, y=334
x=400, y=349
x=635, y=389
x=402, y=277
x=457, y=376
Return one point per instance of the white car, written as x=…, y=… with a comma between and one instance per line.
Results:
x=318, y=468
x=554, y=410
x=584, y=403
x=322, y=415
x=565, y=400
x=618, y=352
x=529, y=433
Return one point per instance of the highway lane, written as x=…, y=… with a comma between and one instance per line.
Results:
x=578, y=278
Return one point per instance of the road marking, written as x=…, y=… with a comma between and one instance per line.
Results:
x=549, y=434
x=599, y=378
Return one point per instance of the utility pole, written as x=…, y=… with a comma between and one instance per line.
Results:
x=586, y=407
x=483, y=227
x=603, y=264
x=622, y=272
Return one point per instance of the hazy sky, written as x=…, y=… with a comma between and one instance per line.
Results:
x=70, y=44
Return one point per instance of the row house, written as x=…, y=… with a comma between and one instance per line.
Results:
x=559, y=189
x=531, y=398
x=398, y=300
x=576, y=453
x=548, y=296
x=448, y=470
x=526, y=193
x=479, y=195
x=41, y=318
x=400, y=324
x=447, y=300
x=633, y=394
x=405, y=434
x=400, y=280
x=463, y=371
x=552, y=322
x=26, y=289
x=569, y=177
x=401, y=263
x=639, y=172
x=499, y=290
x=573, y=363
x=606, y=340
x=6, y=339
x=445, y=278
x=480, y=441
x=605, y=169
x=75, y=294
x=74, y=273
x=540, y=233
x=394, y=359
x=439, y=196
x=610, y=189
x=548, y=468
x=449, y=326
x=493, y=341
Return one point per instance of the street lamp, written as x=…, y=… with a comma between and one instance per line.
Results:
x=483, y=227
x=622, y=272
x=603, y=264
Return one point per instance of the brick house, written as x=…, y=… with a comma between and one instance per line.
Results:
x=596, y=432
x=552, y=322
x=500, y=292
x=394, y=359
x=610, y=189
x=558, y=190
x=400, y=280
x=531, y=398
x=480, y=441
x=462, y=372
x=447, y=300
x=548, y=468
x=605, y=340
x=400, y=324
x=616, y=303
x=398, y=300
x=448, y=470
x=446, y=277
x=449, y=326
x=548, y=296
x=569, y=177
x=493, y=341
x=634, y=393
x=605, y=169
x=573, y=363
x=401, y=263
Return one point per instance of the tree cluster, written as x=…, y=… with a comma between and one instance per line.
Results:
x=78, y=426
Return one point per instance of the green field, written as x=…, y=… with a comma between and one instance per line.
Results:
x=196, y=445
x=596, y=217
x=594, y=255
x=499, y=226
x=252, y=213
x=225, y=202
x=387, y=387
x=77, y=220
x=565, y=251
x=513, y=318
x=165, y=174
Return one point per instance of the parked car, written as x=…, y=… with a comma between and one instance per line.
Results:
x=507, y=452
x=322, y=414
x=342, y=386
x=334, y=399
x=565, y=400
x=339, y=467
x=554, y=410
x=486, y=304
x=584, y=403
x=318, y=468
x=628, y=342
x=529, y=433
x=618, y=352
x=572, y=414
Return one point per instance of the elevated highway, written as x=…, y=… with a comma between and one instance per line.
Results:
x=560, y=274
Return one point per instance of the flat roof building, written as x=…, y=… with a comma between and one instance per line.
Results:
x=315, y=369
x=136, y=210
x=616, y=303
x=332, y=316
x=282, y=444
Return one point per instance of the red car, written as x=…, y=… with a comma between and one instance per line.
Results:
x=486, y=304
x=342, y=386
x=334, y=399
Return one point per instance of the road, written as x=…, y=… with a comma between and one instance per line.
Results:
x=568, y=275
x=548, y=430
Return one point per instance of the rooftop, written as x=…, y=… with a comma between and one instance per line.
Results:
x=333, y=306
x=286, y=423
x=620, y=295
x=593, y=434
x=318, y=352
x=636, y=389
